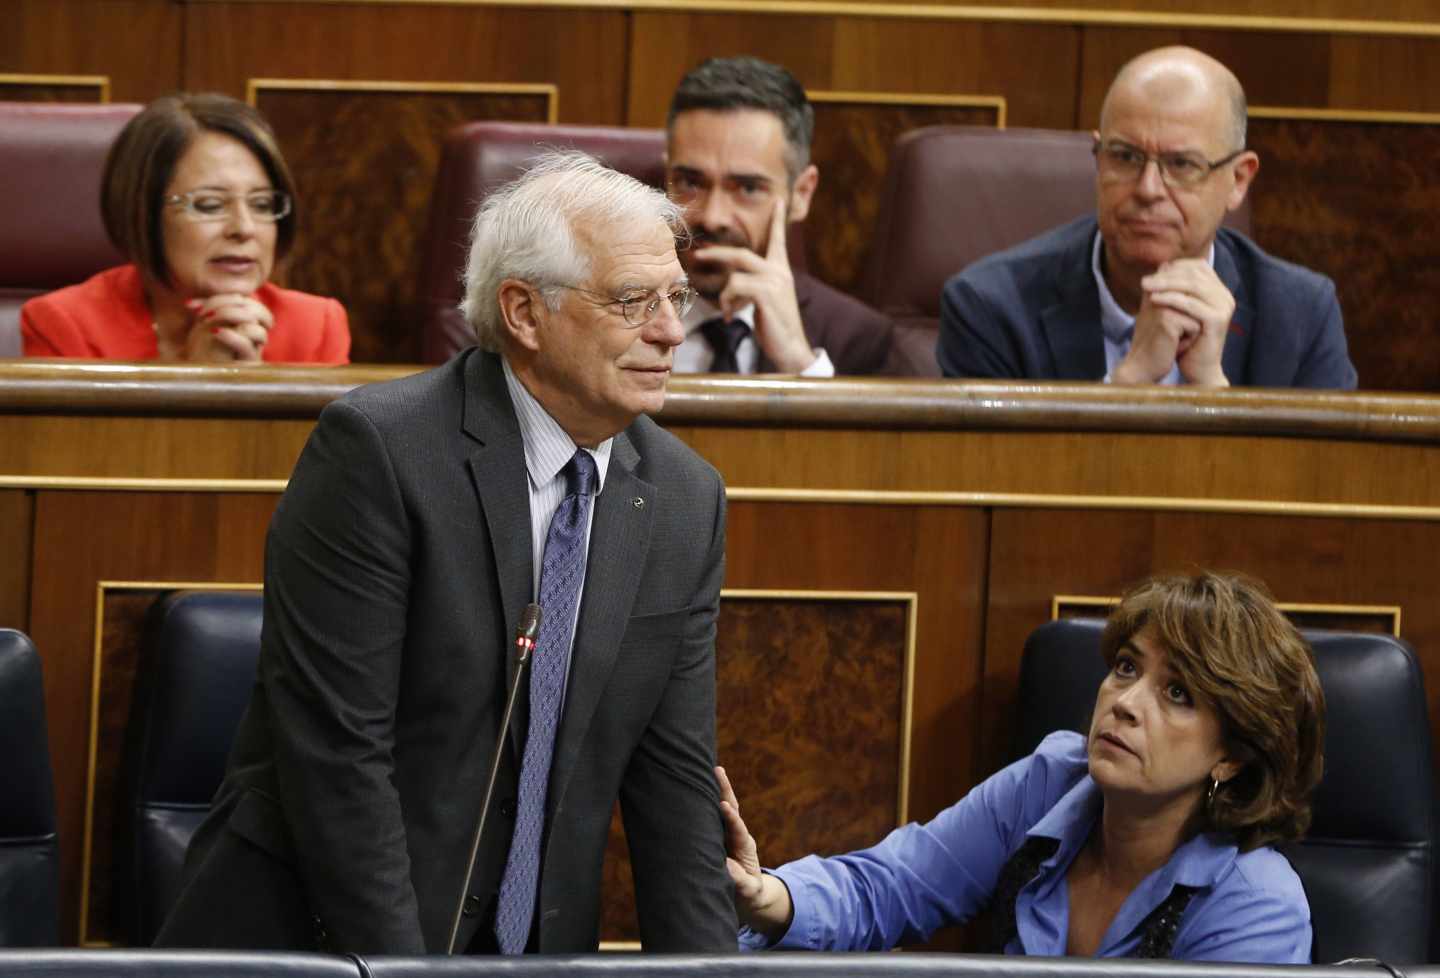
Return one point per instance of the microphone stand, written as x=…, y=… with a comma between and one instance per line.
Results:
x=525, y=634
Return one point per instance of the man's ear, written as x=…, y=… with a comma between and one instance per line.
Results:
x=800, y=193
x=522, y=311
x=1245, y=169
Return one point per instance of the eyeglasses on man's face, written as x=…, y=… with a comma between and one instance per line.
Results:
x=215, y=205
x=638, y=308
x=1119, y=161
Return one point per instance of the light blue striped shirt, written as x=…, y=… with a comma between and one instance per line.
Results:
x=547, y=450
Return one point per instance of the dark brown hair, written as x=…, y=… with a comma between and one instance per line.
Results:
x=1236, y=651
x=142, y=160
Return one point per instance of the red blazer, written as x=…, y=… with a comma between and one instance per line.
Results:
x=107, y=317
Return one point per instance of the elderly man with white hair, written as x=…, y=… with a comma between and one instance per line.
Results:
x=422, y=518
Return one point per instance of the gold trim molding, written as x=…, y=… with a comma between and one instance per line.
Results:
x=911, y=599
x=102, y=82
x=1285, y=113
x=862, y=497
x=96, y=669
x=1103, y=604
x=254, y=86
x=928, y=99
x=963, y=12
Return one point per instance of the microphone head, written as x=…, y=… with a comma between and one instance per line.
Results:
x=529, y=626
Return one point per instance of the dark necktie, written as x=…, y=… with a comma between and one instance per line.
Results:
x=724, y=338
x=562, y=575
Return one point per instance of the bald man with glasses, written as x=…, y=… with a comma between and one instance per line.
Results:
x=1152, y=290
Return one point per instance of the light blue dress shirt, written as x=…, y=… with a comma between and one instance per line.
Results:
x=1249, y=907
x=1117, y=325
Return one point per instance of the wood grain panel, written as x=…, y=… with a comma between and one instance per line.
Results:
x=79, y=37
x=852, y=150
x=146, y=536
x=89, y=89
x=1355, y=200
x=1395, y=73
x=364, y=165
x=810, y=703
x=581, y=52
x=119, y=651
x=17, y=530
x=1274, y=68
x=1335, y=617
x=937, y=552
x=862, y=54
x=1040, y=553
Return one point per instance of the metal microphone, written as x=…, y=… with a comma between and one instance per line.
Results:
x=525, y=633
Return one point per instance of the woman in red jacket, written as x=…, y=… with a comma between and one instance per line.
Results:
x=196, y=194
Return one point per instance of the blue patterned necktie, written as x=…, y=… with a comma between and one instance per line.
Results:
x=562, y=575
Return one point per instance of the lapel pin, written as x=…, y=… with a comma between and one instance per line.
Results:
x=638, y=502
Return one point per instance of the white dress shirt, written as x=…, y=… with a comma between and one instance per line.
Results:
x=695, y=355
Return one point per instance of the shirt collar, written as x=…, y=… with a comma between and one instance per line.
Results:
x=703, y=310
x=1199, y=862
x=547, y=447
x=1116, y=322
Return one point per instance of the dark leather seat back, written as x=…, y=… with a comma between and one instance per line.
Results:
x=478, y=157
x=29, y=847
x=1368, y=862
x=51, y=234
x=196, y=672
x=954, y=194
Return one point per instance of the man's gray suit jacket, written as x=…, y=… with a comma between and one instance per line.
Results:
x=397, y=565
x=1033, y=313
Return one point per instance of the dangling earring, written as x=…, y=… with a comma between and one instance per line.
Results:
x=1210, y=795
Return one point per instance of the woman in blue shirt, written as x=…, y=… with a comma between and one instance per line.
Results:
x=1151, y=836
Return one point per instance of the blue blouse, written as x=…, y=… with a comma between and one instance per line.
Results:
x=1248, y=907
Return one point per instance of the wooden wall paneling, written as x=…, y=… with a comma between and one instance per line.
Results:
x=17, y=531
x=1398, y=74
x=1353, y=196
x=581, y=52
x=1135, y=470
x=146, y=537
x=1274, y=68
x=861, y=54
x=364, y=156
x=138, y=448
x=81, y=37
x=936, y=552
x=854, y=132
x=1038, y=554
x=54, y=88
x=813, y=695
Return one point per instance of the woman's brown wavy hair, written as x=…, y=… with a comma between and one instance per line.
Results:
x=1236, y=651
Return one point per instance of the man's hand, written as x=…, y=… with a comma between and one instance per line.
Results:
x=762, y=902
x=1184, y=316
x=767, y=282
x=226, y=327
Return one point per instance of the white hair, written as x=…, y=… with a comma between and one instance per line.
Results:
x=526, y=230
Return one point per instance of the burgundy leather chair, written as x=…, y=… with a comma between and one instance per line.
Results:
x=954, y=194
x=51, y=234
x=478, y=157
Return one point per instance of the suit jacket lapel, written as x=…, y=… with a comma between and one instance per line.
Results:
x=1072, y=325
x=497, y=467
x=1235, y=357
x=619, y=542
